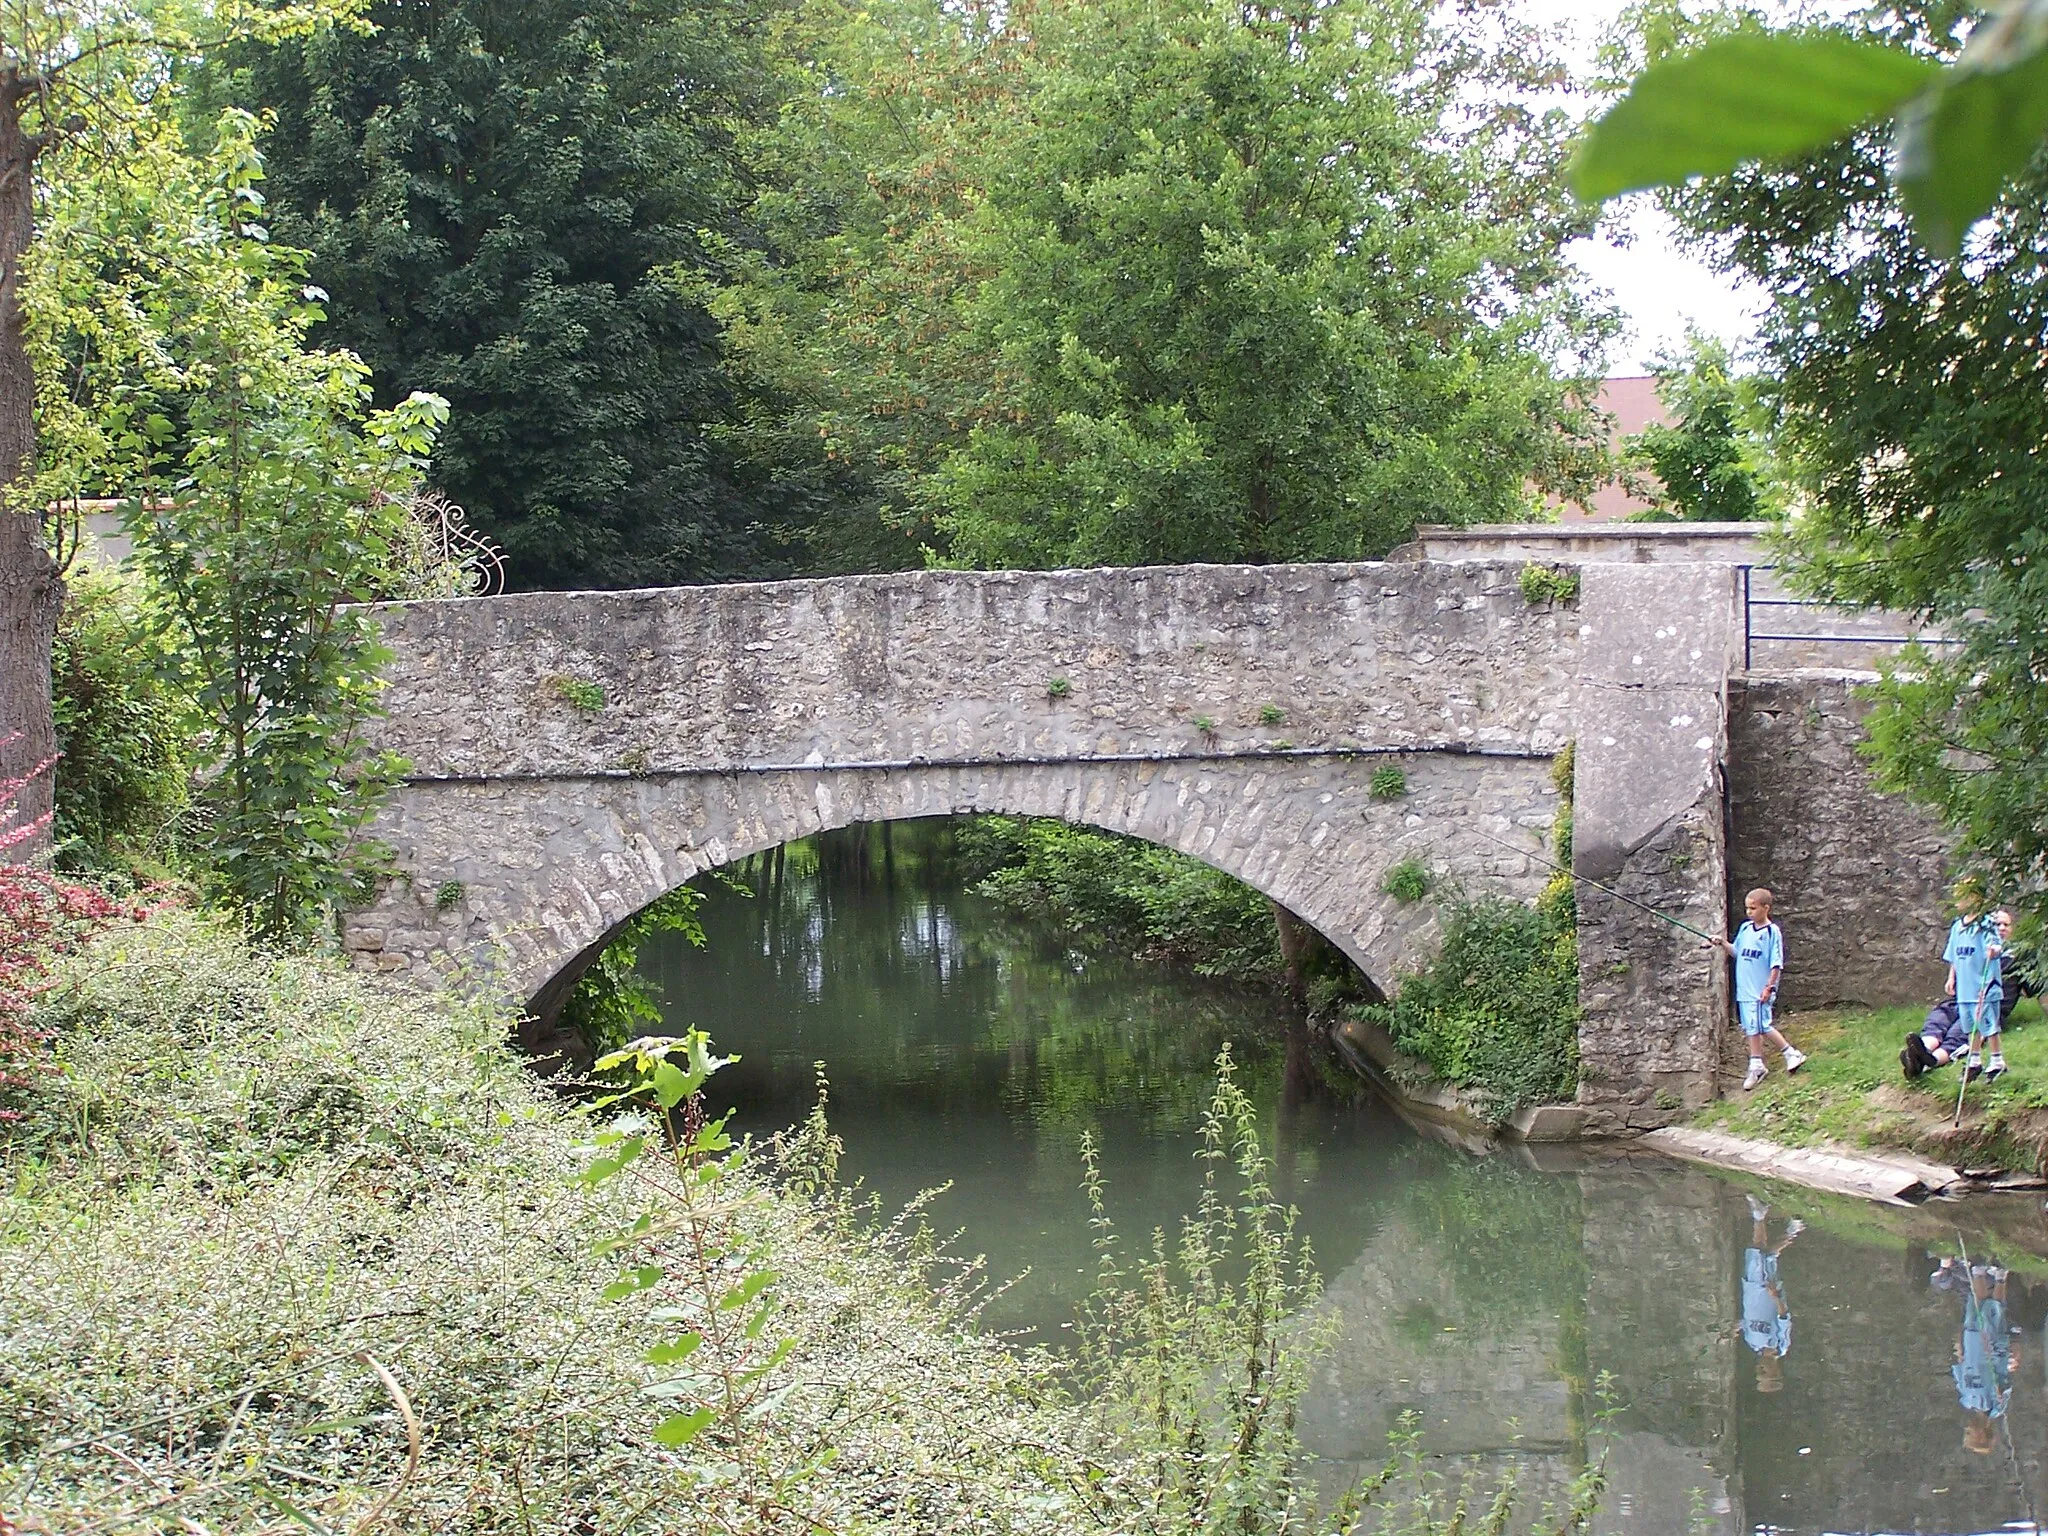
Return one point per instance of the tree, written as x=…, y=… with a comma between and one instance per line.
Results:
x=72, y=72
x=1908, y=407
x=1708, y=459
x=1157, y=280
x=266, y=497
x=507, y=203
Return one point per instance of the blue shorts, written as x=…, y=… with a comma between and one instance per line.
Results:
x=1756, y=1017
x=1980, y=1018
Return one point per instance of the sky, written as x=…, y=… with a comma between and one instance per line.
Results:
x=1658, y=287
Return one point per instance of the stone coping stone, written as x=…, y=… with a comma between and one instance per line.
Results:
x=1889, y=1178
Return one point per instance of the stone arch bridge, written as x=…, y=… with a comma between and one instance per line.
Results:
x=576, y=755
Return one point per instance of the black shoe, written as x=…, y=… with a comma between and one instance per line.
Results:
x=1923, y=1058
x=1910, y=1060
x=1972, y=1072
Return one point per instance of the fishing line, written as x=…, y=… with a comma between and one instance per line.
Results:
x=1603, y=889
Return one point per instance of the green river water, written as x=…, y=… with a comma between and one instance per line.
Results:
x=1486, y=1292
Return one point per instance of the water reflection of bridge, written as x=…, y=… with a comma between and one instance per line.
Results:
x=1634, y=1270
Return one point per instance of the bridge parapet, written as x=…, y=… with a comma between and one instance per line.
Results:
x=969, y=665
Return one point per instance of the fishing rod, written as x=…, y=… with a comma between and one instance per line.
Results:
x=1977, y=1013
x=1603, y=889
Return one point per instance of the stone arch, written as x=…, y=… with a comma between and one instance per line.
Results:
x=536, y=875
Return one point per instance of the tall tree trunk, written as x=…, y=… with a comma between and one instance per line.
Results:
x=31, y=592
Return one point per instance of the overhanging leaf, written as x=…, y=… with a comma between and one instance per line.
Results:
x=1751, y=97
x=1980, y=125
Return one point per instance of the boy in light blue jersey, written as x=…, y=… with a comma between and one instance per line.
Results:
x=1973, y=952
x=1759, y=951
x=1766, y=1319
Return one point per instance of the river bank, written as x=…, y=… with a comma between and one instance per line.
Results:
x=1853, y=1094
x=279, y=1244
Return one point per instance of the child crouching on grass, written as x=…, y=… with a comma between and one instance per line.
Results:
x=1759, y=951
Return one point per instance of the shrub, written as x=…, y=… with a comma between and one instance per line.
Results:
x=124, y=774
x=1388, y=783
x=41, y=919
x=612, y=1002
x=1407, y=881
x=1058, y=688
x=1498, y=1010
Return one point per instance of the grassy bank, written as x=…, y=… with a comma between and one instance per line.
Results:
x=287, y=1249
x=1853, y=1092
x=258, y=1180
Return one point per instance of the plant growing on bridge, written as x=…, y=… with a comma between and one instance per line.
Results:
x=1272, y=714
x=1408, y=881
x=1058, y=688
x=1549, y=584
x=1498, y=1010
x=1387, y=783
x=577, y=692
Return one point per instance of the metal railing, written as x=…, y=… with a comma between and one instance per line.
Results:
x=1751, y=634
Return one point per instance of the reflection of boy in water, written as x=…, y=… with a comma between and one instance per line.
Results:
x=1766, y=1320
x=1984, y=1351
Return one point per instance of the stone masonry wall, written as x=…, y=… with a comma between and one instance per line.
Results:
x=575, y=755
x=1860, y=877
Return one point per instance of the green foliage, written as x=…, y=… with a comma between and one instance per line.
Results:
x=447, y=895
x=1755, y=95
x=1549, y=584
x=124, y=776
x=1710, y=460
x=1564, y=777
x=1388, y=783
x=1196, y=1358
x=1964, y=131
x=1205, y=725
x=1058, y=688
x=281, y=1166
x=1906, y=408
x=1407, y=881
x=612, y=1002
x=577, y=692
x=1498, y=1010
x=171, y=333
x=1101, y=891
x=1192, y=1360
x=715, y=1362
x=1272, y=714
x=510, y=208
x=1137, y=283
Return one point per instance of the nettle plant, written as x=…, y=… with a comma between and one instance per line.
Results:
x=686, y=1247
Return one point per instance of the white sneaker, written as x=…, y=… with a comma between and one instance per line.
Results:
x=1994, y=1068
x=1794, y=1059
x=1758, y=1211
x=1793, y=1228
x=1755, y=1076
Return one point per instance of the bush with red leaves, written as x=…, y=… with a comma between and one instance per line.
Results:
x=41, y=917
